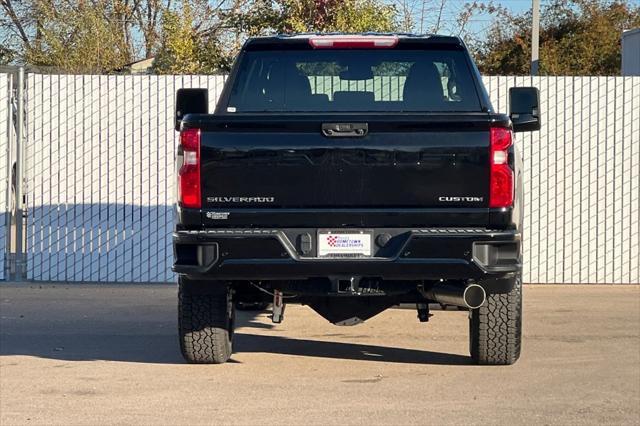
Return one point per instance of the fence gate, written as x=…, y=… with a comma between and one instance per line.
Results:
x=6, y=131
x=100, y=176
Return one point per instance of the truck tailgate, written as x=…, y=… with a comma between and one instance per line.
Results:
x=427, y=161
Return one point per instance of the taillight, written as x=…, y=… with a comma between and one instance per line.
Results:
x=501, y=175
x=352, y=41
x=189, y=174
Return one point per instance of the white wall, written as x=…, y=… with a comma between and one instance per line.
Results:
x=100, y=177
x=631, y=52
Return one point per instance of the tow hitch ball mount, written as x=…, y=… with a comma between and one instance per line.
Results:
x=423, y=312
x=278, y=307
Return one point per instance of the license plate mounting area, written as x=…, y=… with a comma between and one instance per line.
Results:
x=347, y=244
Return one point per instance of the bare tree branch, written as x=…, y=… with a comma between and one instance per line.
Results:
x=8, y=7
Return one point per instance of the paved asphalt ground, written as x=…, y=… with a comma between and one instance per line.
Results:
x=80, y=354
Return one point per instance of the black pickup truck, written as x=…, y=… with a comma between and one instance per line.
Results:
x=350, y=173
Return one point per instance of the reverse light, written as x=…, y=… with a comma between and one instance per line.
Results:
x=501, y=176
x=352, y=42
x=189, y=173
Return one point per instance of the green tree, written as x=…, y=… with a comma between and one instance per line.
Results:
x=577, y=37
x=6, y=55
x=184, y=50
x=187, y=36
x=366, y=15
x=178, y=51
x=77, y=38
x=299, y=16
x=191, y=48
x=82, y=35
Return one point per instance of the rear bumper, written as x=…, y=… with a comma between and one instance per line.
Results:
x=289, y=254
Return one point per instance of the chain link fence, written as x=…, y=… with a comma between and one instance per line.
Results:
x=581, y=178
x=99, y=176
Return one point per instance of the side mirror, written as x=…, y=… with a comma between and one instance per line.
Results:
x=524, y=108
x=190, y=101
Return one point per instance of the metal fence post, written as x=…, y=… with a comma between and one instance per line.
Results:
x=20, y=263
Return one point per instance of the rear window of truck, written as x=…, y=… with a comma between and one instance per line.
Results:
x=358, y=80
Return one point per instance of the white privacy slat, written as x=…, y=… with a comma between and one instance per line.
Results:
x=77, y=171
x=108, y=194
x=550, y=175
x=624, y=161
x=600, y=181
x=131, y=190
x=55, y=232
x=540, y=177
x=591, y=168
x=146, y=150
x=5, y=159
x=523, y=147
x=33, y=171
x=617, y=182
x=571, y=237
x=573, y=253
x=169, y=181
x=608, y=218
x=150, y=180
x=97, y=157
x=118, y=139
x=634, y=178
x=103, y=173
x=101, y=184
x=45, y=179
x=557, y=163
x=580, y=193
x=86, y=149
x=531, y=155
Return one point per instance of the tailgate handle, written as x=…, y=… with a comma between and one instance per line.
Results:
x=342, y=130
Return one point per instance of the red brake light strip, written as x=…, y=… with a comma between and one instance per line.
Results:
x=353, y=41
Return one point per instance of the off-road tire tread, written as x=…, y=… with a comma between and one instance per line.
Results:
x=495, y=329
x=204, y=327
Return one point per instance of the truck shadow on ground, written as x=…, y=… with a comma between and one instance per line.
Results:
x=343, y=350
x=101, y=339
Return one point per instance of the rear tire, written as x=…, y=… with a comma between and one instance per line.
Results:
x=205, y=323
x=495, y=329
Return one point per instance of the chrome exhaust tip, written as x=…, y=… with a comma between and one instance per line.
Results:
x=472, y=296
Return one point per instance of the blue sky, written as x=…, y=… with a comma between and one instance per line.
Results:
x=451, y=11
x=479, y=24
